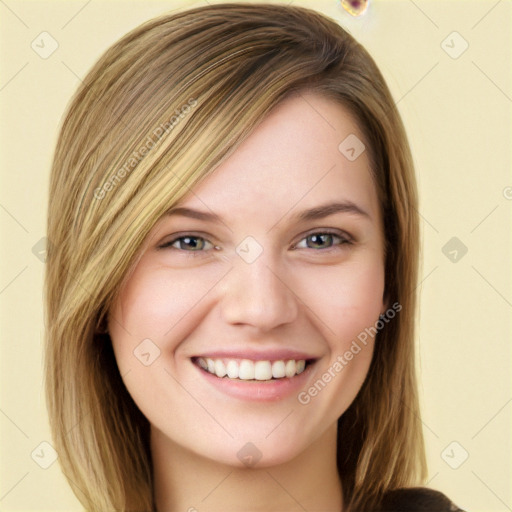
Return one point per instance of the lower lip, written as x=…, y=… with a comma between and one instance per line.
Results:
x=260, y=391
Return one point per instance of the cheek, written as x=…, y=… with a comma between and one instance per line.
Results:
x=347, y=307
x=346, y=300
x=153, y=305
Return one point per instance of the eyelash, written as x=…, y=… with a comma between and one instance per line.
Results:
x=344, y=239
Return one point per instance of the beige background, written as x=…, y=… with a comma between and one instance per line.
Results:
x=458, y=115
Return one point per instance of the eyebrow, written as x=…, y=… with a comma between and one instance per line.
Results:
x=318, y=212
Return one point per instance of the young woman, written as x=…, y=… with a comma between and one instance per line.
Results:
x=231, y=274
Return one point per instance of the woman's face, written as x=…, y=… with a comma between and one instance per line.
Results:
x=275, y=257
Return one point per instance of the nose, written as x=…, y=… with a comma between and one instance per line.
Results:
x=256, y=294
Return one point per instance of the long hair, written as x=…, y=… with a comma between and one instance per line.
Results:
x=159, y=111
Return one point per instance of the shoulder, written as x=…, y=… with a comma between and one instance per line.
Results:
x=416, y=499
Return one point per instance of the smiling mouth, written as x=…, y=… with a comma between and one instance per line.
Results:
x=249, y=370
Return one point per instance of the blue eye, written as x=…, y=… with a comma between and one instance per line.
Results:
x=189, y=243
x=321, y=241
x=198, y=244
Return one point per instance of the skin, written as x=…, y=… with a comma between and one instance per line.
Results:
x=298, y=294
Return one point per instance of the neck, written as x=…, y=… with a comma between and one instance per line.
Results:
x=184, y=480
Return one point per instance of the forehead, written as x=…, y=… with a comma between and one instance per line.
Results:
x=301, y=154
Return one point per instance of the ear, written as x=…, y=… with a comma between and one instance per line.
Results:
x=385, y=302
x=102, y=324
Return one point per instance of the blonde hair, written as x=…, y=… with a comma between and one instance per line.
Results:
x=160, y=110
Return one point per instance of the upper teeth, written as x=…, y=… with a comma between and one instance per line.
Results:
x=245, y=369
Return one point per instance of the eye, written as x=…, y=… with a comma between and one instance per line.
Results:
x=322, y=240
x=188, y=243
x=198, y=244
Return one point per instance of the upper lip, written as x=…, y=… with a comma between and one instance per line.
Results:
x=258, y=355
